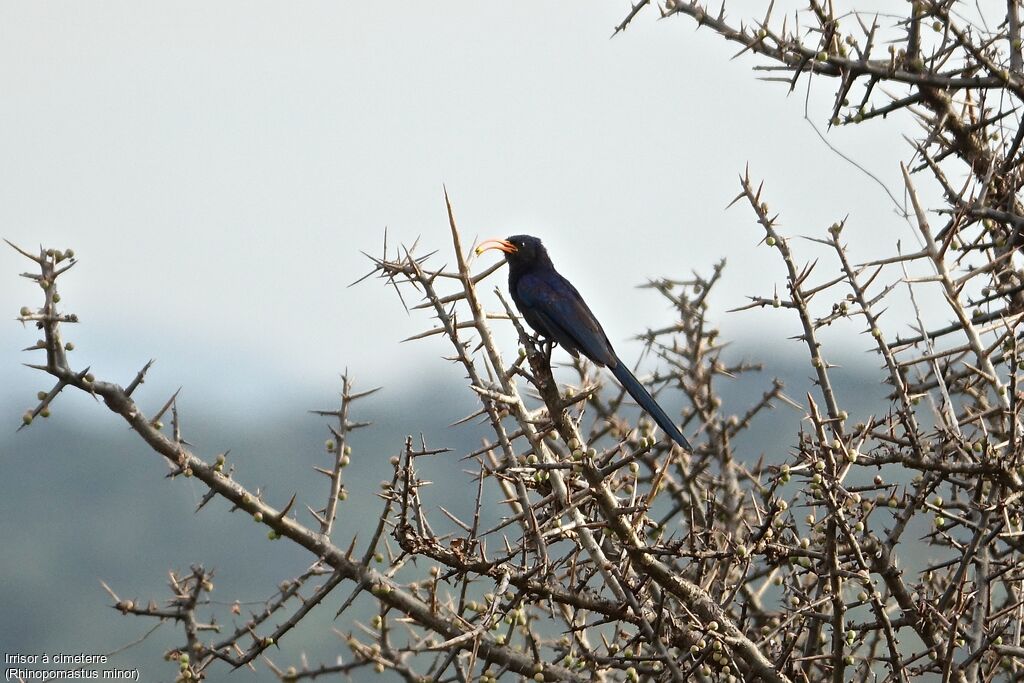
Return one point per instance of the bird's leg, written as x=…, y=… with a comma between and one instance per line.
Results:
x=548, y=348
x=542, y=345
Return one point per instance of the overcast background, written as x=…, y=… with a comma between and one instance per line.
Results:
x=219, y=166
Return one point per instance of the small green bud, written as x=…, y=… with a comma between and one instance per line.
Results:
x=25, y=310
x=272, y=535
x=257, y=516
x=770, y=241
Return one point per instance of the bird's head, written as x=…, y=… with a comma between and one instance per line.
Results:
x=520, y=250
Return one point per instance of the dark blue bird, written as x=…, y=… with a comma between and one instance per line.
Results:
x=557, y=312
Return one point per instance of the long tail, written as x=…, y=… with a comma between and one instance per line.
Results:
x=647, y=402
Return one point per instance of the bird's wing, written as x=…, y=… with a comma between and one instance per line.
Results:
x=553, y=300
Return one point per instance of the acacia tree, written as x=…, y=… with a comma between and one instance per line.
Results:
x=619, y=556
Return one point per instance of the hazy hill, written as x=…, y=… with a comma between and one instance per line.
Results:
x=82, y=499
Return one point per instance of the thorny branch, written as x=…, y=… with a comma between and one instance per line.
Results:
x=884, y=546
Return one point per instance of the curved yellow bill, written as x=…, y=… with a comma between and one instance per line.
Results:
x=500, y=245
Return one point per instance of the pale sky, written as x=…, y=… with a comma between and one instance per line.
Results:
x=218, y=166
